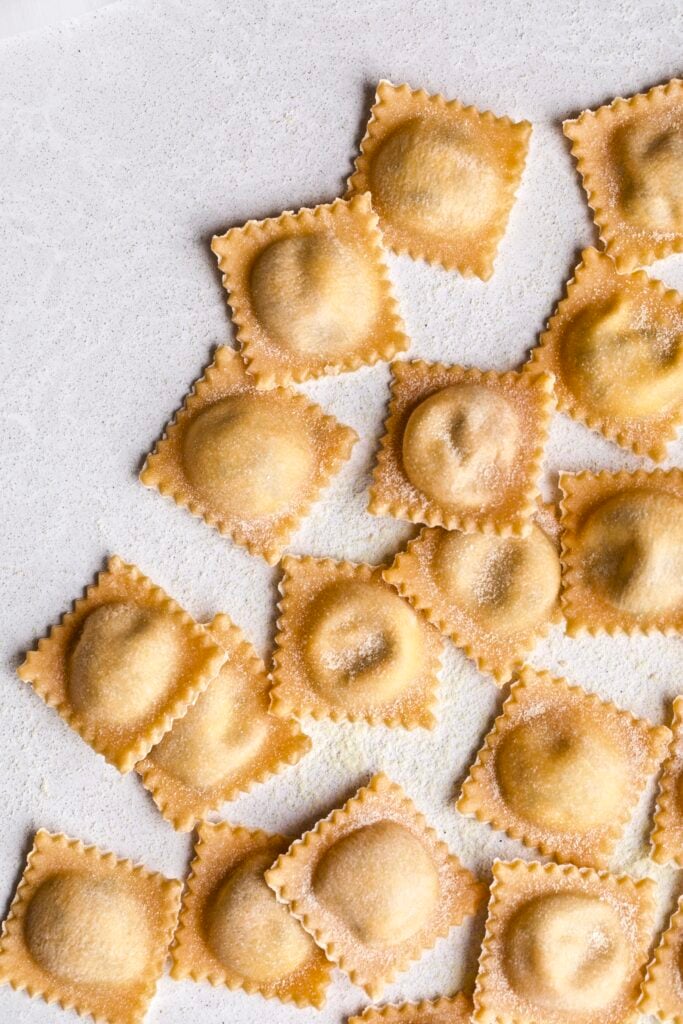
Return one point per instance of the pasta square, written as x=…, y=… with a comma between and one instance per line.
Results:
x=123, y=665
x=629, y=154
x=310, y=292
x=615, y=348
x=88, y=931
x=233, y=931
x=667, y=833
x=622, y=551
x=563, y=945
x=350, y=649
x=445, y=1010
x=561, y=770
x=374, y=885
x=661, y=993
x=251, y=463
x=462, y=448
x=493, y=596
x=226, y=743
x=442, y=176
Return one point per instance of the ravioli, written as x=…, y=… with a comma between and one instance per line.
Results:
x=310, y=292
x=374, y=885
x=630, y=156
x=226, y=743
x=87, y=931
x=493, y=596
x=562, y=770
x=667, y=831
x=234, y=932
x=661, y=993
x=444, y=1010
x=462, y=448
x=123, y=665
x=623, y=551
x=615, y=347
x=442, y=176
x=350, y=649
x=249, y=462
x=562, y=944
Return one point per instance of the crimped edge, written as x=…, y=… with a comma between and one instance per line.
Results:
x=471, y=804
x=393, y=338
x=170, y=892
x=417, y=1013
x=545, y=356
x=358, y=181
x=485, y=1013
x=648, y=1002
x=124, y=756
x=573, y=506
x=283, y=708
x=337, y=452
x=154, y=779
x=397, y=575
x=662, y=850
x=425, y=511
x=226, y=976
x=608, y=233
x=279, y=879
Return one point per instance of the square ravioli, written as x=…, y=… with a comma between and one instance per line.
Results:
x=463, y=448
x=667, y=833
x=227, y=741
x=350, y=649
x=662, y=990
x=561, y=770
x=233, y=931
x=374, y=885
x=630, y=156
x=88, y=931
x=445, y=1010
x=563, y=945
x=123, y=665
x=442, y=176
x=622, y=551
x=310, y=292
x=615, y=348
x=248, y=462
x=493, y=596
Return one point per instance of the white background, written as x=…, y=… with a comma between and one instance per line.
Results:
x=130, y=137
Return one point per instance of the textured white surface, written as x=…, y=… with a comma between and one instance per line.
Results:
x=135, y=135
x=28, y=15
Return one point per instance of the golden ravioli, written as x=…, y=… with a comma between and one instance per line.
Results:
x=123, y=665
x=442, y=176
x=667, y=832
x=563, y=944
x=615, y=347
x=622, y=551
x=233, y=931
x=310, y=292
x=463, y=448
x=562, y=770
x=662, y=990
x=630, y=157
x=226, y=742
x=374, y=885
x=350, y=649
x=249, y=462
x=87, y=931
x=445, y=1010
x=493, y=596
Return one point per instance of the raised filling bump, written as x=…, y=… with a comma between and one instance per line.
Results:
x=460, y=444
x=124, y=661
